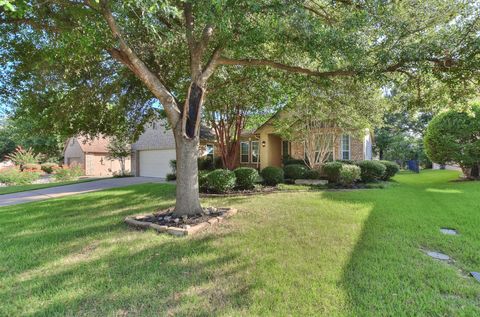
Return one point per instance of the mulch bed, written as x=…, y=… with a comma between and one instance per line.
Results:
x=166, y=221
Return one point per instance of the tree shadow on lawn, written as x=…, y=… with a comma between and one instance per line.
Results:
x=74, y=256
x=389, y=275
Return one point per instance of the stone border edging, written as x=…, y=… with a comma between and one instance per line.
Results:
x=133, y=221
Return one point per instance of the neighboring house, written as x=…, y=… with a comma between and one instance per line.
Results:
x=264, y=147
x=155, y=148
x=92, y=156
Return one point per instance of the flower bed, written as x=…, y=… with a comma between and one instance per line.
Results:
x=166, y=222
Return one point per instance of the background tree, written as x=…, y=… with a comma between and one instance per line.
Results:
x=454, y=137
x=78, y=60
x=317, y=115
x=235, y=100
x=119, y=149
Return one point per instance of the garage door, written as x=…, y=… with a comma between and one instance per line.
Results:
x=155, y=163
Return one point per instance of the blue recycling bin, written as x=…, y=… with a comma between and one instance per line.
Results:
x=414, y=166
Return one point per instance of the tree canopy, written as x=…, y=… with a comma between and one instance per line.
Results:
x=69, y=61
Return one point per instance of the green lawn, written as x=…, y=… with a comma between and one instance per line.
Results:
x=332, y=253
x=24, y=188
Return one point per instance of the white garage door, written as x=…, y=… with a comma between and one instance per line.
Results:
x=155, y=163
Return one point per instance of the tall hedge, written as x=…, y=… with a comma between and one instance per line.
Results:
x=452, y=138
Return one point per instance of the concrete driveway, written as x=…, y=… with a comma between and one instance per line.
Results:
x=67, y=190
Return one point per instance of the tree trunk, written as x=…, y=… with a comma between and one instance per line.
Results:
x=187, y=197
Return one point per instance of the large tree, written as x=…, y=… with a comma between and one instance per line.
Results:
x=80, y=59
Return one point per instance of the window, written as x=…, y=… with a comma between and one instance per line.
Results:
x=345, y=147
x=209, y=151
x=255, y=152
x=285, y=148
x=244, y=152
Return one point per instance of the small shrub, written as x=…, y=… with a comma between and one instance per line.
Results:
x=391, y=169
x=371, y=170
x=349, y=174
x=313, y=174
x=332, y=171
x=49, y=167
x=32, y=167
x=13, y=176
x=272, y=175
x=294, y=171
x=171, y=176
x=246, y=177
x=173, y=165
x=221, y=181
x=288, y=160
x=349, y=162
x=202, y=180
x=68, y=173
x=120, y=175
x=21, y=157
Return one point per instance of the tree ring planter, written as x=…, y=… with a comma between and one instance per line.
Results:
x=165, y=222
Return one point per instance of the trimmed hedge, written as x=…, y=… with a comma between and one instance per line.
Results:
x=332, y=171
x=272, y=175
x=221, y=181
x=313, y=174
x=371, y=170
x=391, y=168
x=349, y=174
x=294, y=171
x=171, y=176
x=202, y=180
x=246, y=177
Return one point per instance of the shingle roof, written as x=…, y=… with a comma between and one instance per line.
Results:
x=95, y=145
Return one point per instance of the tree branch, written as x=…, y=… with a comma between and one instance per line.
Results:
x=292, y=69
x=133, y=62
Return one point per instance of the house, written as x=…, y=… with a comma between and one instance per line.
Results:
x=92, y=156
x=264, y=147
x=155, y=148
x=152, y=152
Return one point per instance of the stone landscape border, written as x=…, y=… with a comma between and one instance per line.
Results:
x=137, y=223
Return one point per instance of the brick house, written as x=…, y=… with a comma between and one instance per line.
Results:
x=92, y=156
x=264, y=147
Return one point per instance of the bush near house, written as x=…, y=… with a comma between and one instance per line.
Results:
x=14, y=176
x=63, y=174
x=272, y=175
x=371, y=170
x=49, y=167
x=288, y=160
x=202, y=180
x=349, y=174
x=313, y=174
x=171, y=176
x=391, y=168
x=221, y=181
x=246, y=177
x=294, y=171
x=332, y=171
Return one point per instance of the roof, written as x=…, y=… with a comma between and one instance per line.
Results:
x=95, y=145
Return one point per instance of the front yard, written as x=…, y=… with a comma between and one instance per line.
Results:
x=309, y=253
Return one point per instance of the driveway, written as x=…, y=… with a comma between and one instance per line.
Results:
x=67, y=190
